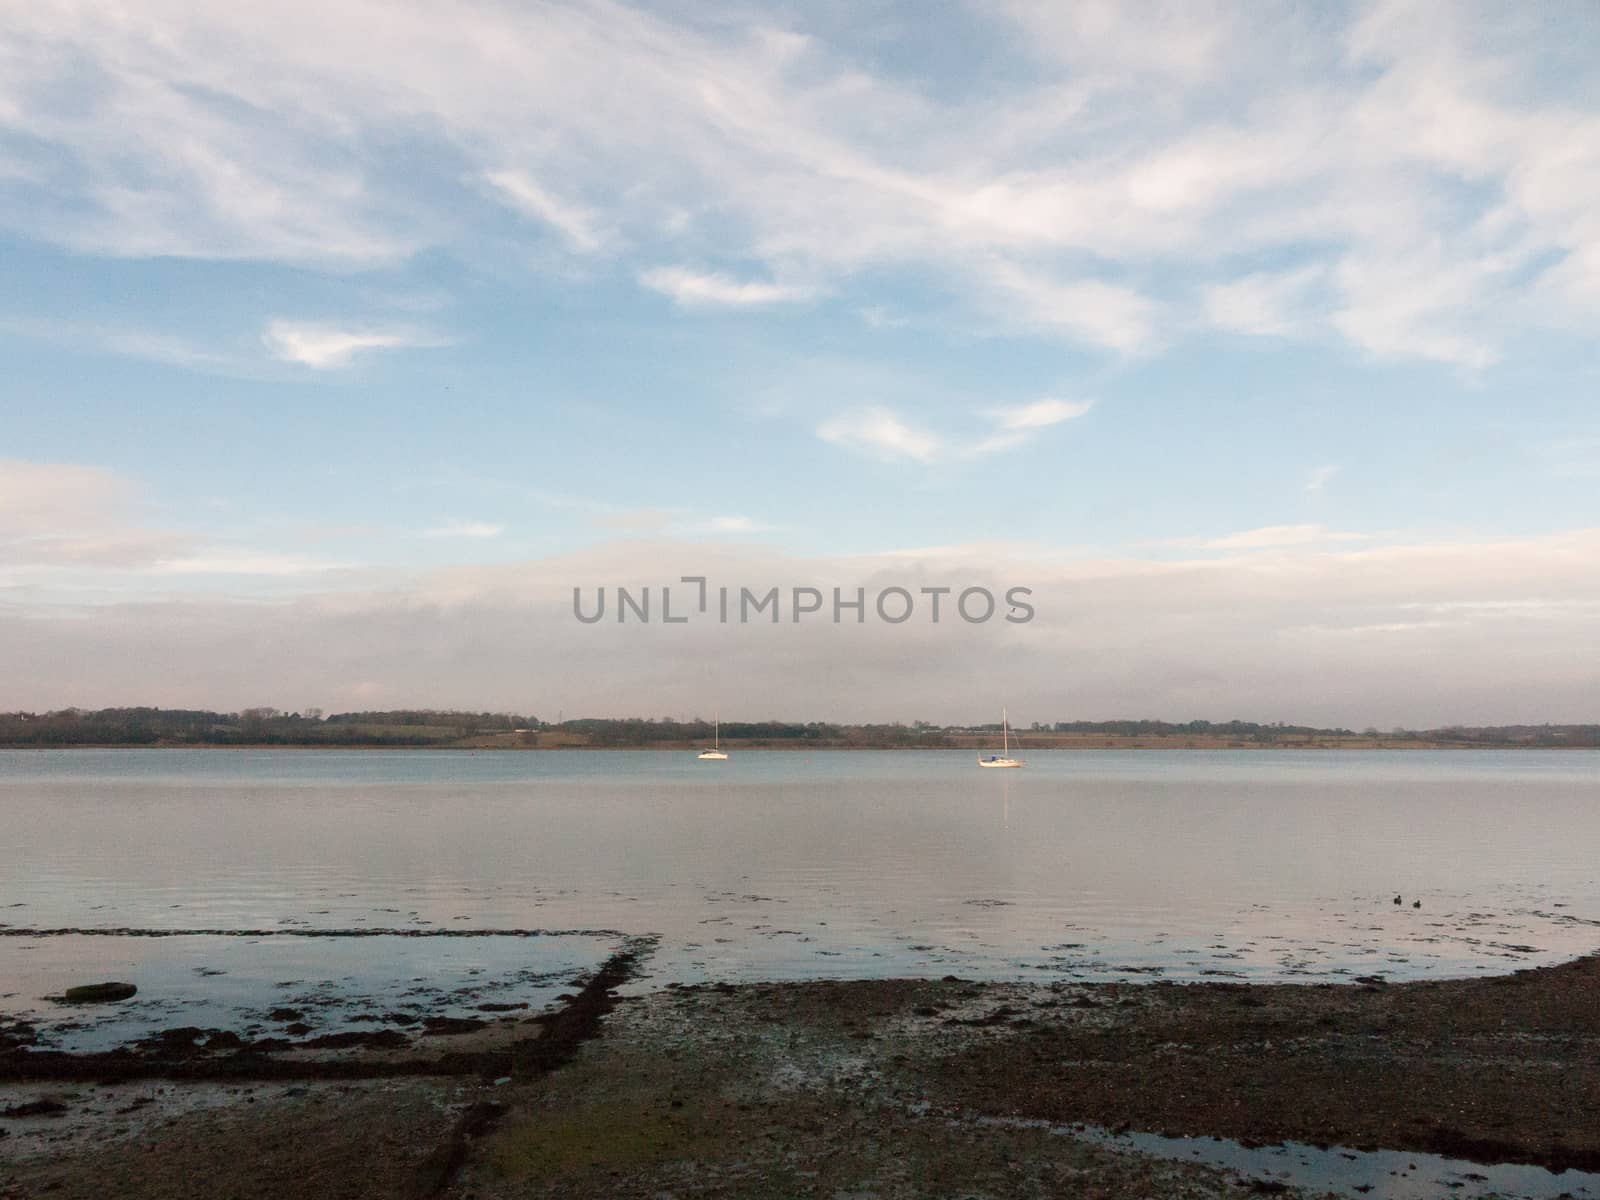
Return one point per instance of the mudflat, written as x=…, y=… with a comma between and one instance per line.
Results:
x=889, y=1088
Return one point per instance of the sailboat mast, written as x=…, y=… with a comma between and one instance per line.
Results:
x=1005, y=733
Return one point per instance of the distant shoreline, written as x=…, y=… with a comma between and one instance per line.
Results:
x=1045, y=743
x=436, y=729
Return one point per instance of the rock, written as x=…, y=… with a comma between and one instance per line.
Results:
x=1268, y=1187
x=35, y=1108
x=98, y=993
x=452, y=1025
x=286, y=1014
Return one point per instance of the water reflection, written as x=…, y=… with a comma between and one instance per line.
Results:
x=785, y=865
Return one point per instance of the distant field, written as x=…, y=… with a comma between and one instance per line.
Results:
x=433, y=733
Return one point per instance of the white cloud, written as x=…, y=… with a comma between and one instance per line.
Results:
x=331, y=348
x=475, y=530
x=882, y=434
x=1040, y=414
x=576, y=224
x=1117, y=39
x=1273, y=536
x=1103, y=314
x=245, y=562
x=693, y=289
x=1320, y=477
x=39, y=498
x=1020, y=422
x=1262, y=303
x=66, y=524
x=733, y=525
x=1402, y=304
x=638, y=520
x=879, y=317
x=115, y=548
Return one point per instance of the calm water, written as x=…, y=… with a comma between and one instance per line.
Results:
x=782, y=865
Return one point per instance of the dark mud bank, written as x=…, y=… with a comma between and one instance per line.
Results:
x=1498, y=1070
x=213, y=1055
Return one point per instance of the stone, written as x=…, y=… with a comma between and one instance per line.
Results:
x=99, y=993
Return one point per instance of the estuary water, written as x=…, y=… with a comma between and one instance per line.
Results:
x=1257, y=865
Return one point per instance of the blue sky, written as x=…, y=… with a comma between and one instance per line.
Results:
x=348, y=303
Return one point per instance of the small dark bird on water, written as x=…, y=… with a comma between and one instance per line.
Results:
x=1416, y=904
x=1397, y=899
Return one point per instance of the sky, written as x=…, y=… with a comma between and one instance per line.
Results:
x=341, y=341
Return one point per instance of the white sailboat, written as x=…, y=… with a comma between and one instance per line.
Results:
x=715, y=754
x=1003, y=759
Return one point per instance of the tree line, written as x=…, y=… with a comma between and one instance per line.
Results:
x=250, y=727
x=264, y=726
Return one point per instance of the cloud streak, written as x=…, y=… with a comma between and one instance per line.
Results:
x=69, y=525
x=42, y=498
x=882, y=433
x=577, y=225
x=130, y=342
x=1271, y=537
x=1320, y=477
x=700, y=289
x=471, y=530
x=333, y=347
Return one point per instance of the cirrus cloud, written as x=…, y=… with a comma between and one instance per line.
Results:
x=882, y=433
x=696, y=289
x=1146, y=169
x=333, y=347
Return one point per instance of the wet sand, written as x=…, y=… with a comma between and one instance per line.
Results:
x=888, y=1088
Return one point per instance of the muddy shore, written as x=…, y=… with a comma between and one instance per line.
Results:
x=888, y=1088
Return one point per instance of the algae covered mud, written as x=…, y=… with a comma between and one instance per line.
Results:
x=1477, y=1088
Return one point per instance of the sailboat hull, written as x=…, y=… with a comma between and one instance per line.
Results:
x=715, y=753
x=1003, y=759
